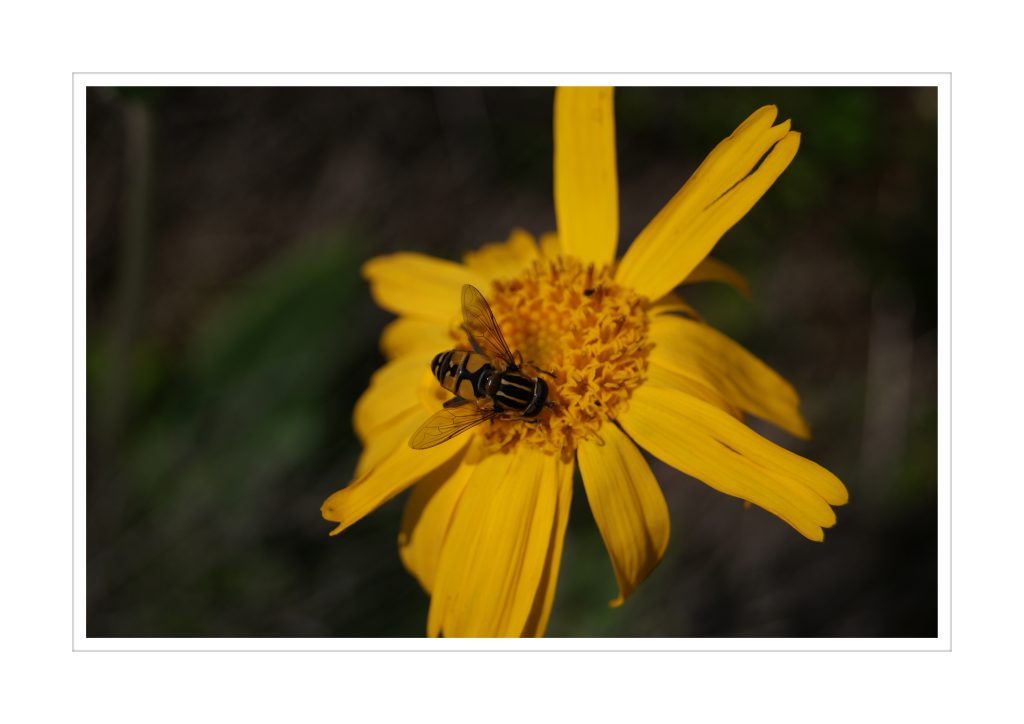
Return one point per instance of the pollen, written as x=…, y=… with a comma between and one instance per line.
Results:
x=590, y=334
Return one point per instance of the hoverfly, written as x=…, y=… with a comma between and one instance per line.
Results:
x=488, y=382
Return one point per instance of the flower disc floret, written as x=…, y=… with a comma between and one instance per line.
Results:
x=573, y=320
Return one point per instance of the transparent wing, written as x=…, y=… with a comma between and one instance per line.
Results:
x=482, y=328
x=446, y=423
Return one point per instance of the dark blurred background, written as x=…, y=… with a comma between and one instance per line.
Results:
x=230, y=334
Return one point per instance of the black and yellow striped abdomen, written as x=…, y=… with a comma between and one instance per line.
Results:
x=462, y=373
x=525, y=395
x=471, y=376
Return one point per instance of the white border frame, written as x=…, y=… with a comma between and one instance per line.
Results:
x=941, y=81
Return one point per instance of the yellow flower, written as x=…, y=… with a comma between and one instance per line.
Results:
x=483, y=527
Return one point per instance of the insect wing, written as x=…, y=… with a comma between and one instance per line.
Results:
x=446, y=423
x=482, y=328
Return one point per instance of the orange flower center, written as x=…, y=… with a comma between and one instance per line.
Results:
x=575, y=321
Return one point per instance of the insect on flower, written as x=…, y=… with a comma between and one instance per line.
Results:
x=486, y=382
x=637, y=369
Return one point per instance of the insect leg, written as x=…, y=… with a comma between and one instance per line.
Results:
x=553, y=375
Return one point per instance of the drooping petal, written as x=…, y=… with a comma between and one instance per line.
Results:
x=420, y=286
x=423, y=337
x=720, y=192
x=504, y=259
x=586, y=186
x=394, y=474
x=706, y=443
x=700, y=352
x=427, y=516
x=393, y=391
x=628, y=506
x=497, y=547
x=660, y=376
x=672, y=303
x=537, y=623
x=715, y=270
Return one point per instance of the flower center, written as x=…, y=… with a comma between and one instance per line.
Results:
x=575, y=321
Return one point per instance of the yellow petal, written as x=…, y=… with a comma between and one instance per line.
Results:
x=714, y=270
x=393, y=475
x=697, y=351
x=497, y=546
x=628, y=506
x=393, y=391
x=413, y=399
x=383, y=441
x=406, y=336
x=660, y=376
x=734, y=205
x=420, y=286
x=537, y=623
x=732, y=159
x=706, y=443
x=550, y=246
x=586, y=187
x=672, y=303
x=708, y=205
x=427, y=516
x=504, y=259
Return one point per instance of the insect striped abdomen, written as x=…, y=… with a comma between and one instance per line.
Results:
x=523, y=394
x=490, y=376
x=461, y=372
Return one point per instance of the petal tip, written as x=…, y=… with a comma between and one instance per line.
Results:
x=765, y=114
x=370, y=266
x=842, y=496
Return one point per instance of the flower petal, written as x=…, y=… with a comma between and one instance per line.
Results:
x=427, y=517
x=393, y=391
x=704, y=354
x=628, y=506
x=550, y=246
x=420, y=286
x=383, y=441
x=704, y=442
x=415, y=397
x=672, y=303
x=715, y=270
x=660, y=376
x=586, y=187
x=393, y=475
x=537, y=623
x=422, y=337
x=504, y=258
x=719, y=194
x=497, y=548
